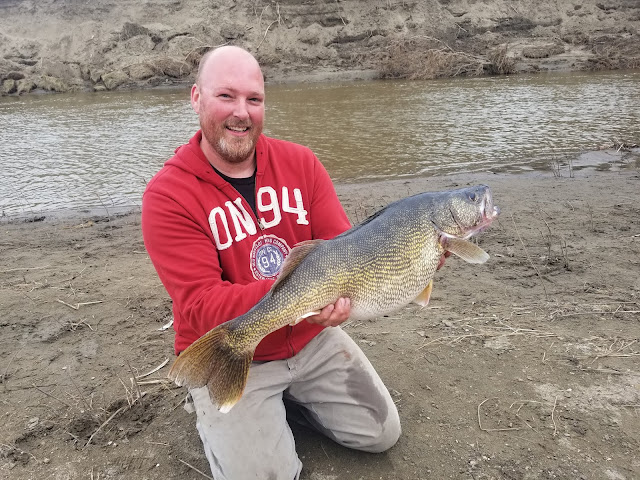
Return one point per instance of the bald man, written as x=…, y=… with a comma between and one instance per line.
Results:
x=218, y=220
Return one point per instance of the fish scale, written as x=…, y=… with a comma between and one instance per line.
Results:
x=382, y=264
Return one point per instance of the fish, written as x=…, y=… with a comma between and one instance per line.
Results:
x=381, y=265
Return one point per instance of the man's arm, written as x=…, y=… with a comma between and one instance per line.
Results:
x=187, y=263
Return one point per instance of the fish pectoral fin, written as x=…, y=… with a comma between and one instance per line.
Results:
x=465, y=249
x=302, y=317
x=425, y=295
x=296, y=255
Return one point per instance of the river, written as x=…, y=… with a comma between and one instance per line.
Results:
x=98, y=150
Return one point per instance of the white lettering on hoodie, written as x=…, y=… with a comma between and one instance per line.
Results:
x=243, y=223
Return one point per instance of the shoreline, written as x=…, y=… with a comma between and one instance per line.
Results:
x=597, y=161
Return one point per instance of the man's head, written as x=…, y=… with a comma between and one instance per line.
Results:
x=228, y=96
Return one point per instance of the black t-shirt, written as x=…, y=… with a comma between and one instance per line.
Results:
x=245, y=187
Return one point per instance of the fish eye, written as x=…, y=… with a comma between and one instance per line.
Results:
x=472, y=196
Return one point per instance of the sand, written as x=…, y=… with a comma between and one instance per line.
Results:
x=524, y=367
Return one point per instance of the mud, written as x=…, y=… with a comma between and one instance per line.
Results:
x=522, y=368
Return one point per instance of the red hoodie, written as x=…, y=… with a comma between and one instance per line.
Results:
x=214, y=257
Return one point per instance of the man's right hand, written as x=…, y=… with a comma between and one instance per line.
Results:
x=334, y=314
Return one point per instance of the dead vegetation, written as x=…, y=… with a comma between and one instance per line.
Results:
x=423, y=57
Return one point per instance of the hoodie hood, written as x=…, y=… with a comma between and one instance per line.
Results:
x=191, y=159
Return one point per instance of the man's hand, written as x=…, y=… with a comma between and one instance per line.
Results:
x=442, y=259
x=334, y=314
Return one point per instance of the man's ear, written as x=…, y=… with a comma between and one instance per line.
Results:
x=195, y=98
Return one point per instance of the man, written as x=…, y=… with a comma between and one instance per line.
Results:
x=218, y=220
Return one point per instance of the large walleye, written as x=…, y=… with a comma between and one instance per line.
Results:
x=382, y=264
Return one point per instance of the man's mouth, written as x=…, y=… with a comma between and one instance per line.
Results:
x=236, y=129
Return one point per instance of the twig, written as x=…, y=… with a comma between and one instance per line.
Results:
x=126, y=391
x=23, y=269
x=555, y=427
x=527, y=254
x=161, y=381
x=105, y=207
x=154, y=370
x=79, y=391
x=77, y=305
x=267, y=30
x=491, y=429
x=49, y=395
x=325, y=452
x=101, y=426
x=194, y=468
x=134, y=380
x=611, y=353
x=5, y=375
x=13, y=447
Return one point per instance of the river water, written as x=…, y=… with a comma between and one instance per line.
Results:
x=87, y=150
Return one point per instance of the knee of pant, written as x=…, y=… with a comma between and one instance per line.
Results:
x=388, y=437
x=381, y=439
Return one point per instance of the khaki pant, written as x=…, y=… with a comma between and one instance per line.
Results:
x=338, y=392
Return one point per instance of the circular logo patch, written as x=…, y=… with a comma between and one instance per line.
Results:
x=267, y=255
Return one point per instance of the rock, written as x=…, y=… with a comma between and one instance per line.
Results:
x=24, y=86
x=99, y=88
x=52, y=84
x=194, y=56
x=130, y=30
x=8, y=86
x=33, y=423
x=85, y=72
x=266, y=59
x=13, y=75
x=311, y=34
x=498, y=343
x=172, y=68
x=95, y=74
x=114, y=79
x=67, y=71
x=157, y=81
x=6, y=67
x=140, y=71
x=138, y=46
x=231, y=31
x=542, y=51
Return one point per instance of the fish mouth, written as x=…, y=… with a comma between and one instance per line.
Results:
x=488, y=213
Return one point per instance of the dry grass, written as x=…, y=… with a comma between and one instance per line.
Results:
x=423, y=57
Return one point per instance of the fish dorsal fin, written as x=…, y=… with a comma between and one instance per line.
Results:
x=464, y=249
x=425, y=295
x=296, y=255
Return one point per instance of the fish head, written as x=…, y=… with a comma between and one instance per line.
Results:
x=465, y=211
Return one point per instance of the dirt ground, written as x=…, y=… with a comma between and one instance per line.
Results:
x=525, y=367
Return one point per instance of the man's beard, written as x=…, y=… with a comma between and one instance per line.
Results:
x=232, y=149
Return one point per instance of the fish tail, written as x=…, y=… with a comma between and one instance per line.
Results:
x=213, y=361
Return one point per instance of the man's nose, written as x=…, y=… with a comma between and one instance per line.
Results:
x=240, y=110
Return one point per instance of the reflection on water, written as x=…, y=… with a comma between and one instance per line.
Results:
x=83, y=150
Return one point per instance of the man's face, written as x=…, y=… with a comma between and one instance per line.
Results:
x=229, y=100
